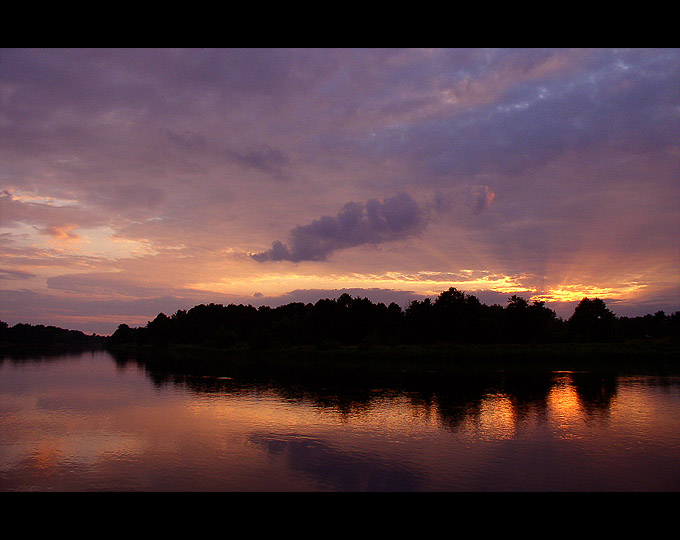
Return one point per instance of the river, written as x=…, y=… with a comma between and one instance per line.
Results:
x=86, y=422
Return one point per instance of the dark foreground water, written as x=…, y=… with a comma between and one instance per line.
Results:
x=83, y=422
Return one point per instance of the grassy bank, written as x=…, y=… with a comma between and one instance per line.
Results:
x=636, y=356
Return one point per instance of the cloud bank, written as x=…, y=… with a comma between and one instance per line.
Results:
x=174, y=169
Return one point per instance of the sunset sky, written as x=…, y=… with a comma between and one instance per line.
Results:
x=135, y=182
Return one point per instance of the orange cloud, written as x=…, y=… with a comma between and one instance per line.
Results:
x=61, y=232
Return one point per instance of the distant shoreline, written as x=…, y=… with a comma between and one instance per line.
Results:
x=638, y=356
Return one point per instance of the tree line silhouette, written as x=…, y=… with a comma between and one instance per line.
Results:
x=453, y=317
x=22, y=334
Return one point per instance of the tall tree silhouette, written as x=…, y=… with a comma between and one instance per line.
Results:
x=456, y=316
x=592, y=321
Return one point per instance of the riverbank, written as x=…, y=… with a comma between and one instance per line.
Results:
x=18, y=351
x=633, y=356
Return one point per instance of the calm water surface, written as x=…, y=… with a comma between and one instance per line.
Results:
x=83, y=422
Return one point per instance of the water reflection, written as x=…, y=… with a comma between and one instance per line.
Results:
x=497, y=400
x=85, y=422
x=336, y=469
x=453, y=398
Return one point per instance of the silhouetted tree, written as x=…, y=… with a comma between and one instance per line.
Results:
x=160, y=330
x=457, y=316
x=673, y=326
x=419, y=322
x=592, y=321
x=517, y=319
x=453, y=317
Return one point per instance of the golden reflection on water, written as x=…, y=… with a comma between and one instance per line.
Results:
x=565, y=407
x=496, y=418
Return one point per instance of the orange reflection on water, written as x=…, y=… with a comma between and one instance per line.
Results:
x=496, y=418
x=46, y=456
x=565, y=406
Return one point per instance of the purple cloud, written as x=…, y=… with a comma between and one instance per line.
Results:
x=372, y=223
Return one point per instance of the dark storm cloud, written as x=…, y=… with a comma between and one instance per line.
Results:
x=356, y=224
